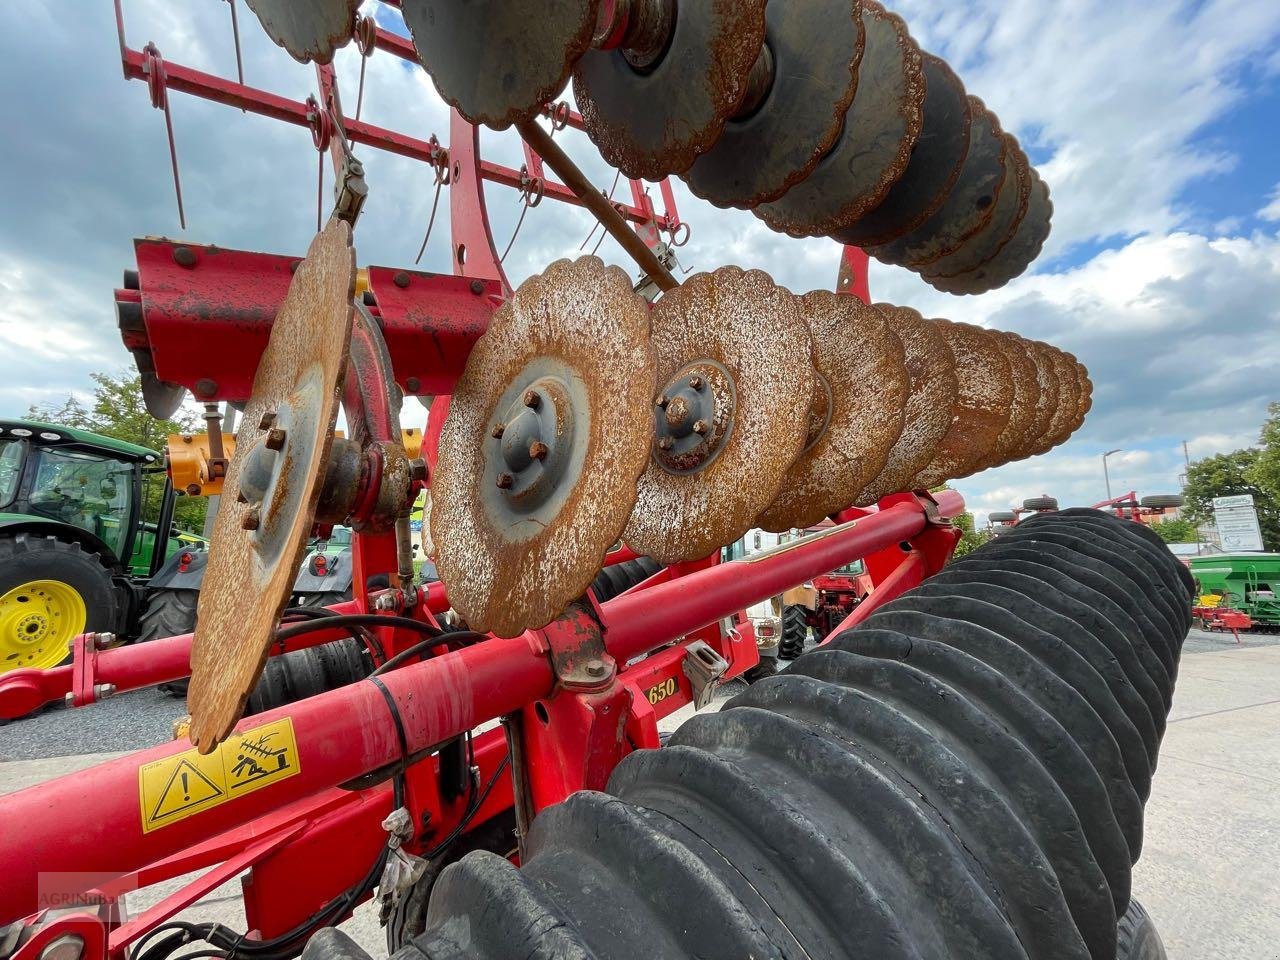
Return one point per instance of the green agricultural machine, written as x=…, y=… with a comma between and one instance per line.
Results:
x=1244, y=582
x=75, y=551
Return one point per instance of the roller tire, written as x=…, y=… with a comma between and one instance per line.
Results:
x=617, y=579
x=1138, y=938
x=1040, y=503
x=1162, y=501
x=795, y=630
x=1002, y=516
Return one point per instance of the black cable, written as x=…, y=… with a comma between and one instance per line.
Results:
x=371, y=643
x=463, y=638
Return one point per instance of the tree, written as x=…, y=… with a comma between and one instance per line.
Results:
x=1265, y=472
x=1176, y=530
x=971, y=538
x=1226, y=475
x=118, y=411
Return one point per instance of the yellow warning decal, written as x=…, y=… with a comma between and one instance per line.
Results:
x=187, y=783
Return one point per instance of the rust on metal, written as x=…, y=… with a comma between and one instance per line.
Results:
x=811, y=56
x=1010, y=208
x=514, y=556
x=744, y=323
x=969, y=206
x=1010, y=444
x=985, y=391
x=1018, y=252
x=933, y=170
x=308, y=31
x=654, y=120
x=252, y=565
x=856, y=352
x=1060, y=424
x=499, y=62
x=880, y=131
x=932, y=402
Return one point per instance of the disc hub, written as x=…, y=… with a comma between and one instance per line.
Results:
x=532, y=440
x=693, y=417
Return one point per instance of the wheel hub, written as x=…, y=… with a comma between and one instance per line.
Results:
x=38, y=620
x=693, y=417
x=533, y=439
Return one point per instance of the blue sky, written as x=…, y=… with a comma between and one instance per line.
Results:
x=1154, y=124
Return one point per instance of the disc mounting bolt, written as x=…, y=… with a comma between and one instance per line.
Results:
x=666, y=443
x=276, y=438
x=251, y=520
x=662, y=401
x=268, y=420
x=498, y=430
x=538, y=450
x=504, y=481
x=700, y=427
x=531, y=399
x=696, y=382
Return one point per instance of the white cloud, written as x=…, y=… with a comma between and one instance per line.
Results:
x=1272, y=210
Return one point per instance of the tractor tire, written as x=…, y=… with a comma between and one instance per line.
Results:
x=50, y=591
x=767, y=667
x=169, y=613
x=919, y=788
x=1138, y=937
x=1161, y=501
x=795, y=629
x=302, y=674
x=1040, y=503
x=1002, y=516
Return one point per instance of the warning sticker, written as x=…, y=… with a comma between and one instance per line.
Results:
x=187, y=783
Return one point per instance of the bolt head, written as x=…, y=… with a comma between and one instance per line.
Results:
x=538, y=450
x=700, y=427
x=418, y=469
x=662, y=401
x=666, y=443
x=184, y=257
x=477, y=287
x=251, y=520
x=696, y=382
x=531, y=399
x=596, y=668
x=400, y=279
x=498, y=430
x=276, y=437
x=504, y=481
x=268, y=420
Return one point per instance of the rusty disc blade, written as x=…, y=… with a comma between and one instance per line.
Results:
x=860, y=393
x=1010, y=209
x=880, y=130
x=1047, y=404
x=308, y=31
x=735, y=381
x=548, y=430
x=933, y=169
x=969, y=206
x=272, y=485
x=1060, y=425
x=1018, y=253
x=812, y=52
x=498, y=62
x=932, y=402
x=652, y=111
x=1024, y=377
x=985, y=388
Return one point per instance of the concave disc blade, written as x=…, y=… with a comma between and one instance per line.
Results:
x=986, y=391
x=857, y=416
x=548, y=429
x=815, y=47
x=308, y=31
x=967, y=208
x=931, y=407
x=874, y=148
x=250, y=573
x=935, y=164
x=1012, y=260
x=742, y=337
x=1060, y=426
x=500, y=61
x=654, y=120
x=1022, y=409
x=1010, y=209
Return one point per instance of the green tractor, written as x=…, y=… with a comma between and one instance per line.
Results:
x=75, y=552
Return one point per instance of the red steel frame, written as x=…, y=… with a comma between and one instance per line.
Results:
x=309, y=837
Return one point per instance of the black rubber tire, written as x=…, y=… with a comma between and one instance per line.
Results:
x=1002, y=516
x=1161, y=501
x=621, y=577
x=1040, y=503
x=1138, y=938
x=924, y=787
x=169, y=613
x=767, y=667
x=25, y=557
x=795, y=629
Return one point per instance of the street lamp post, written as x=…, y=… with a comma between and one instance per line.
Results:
x=1106, y=476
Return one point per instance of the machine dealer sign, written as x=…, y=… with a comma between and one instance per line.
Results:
x=1237, y=523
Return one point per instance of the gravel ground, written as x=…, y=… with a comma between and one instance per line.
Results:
x=130, y=721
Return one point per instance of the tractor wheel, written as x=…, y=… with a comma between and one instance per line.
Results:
x=795, y=628
x=307, y=673
x=1002, y=516
x=1040, y=503
x=1138, y=937
x=169, y=613
x=1161, y=501
x=50, y=591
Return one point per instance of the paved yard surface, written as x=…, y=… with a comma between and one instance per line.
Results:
x=1209, y=868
